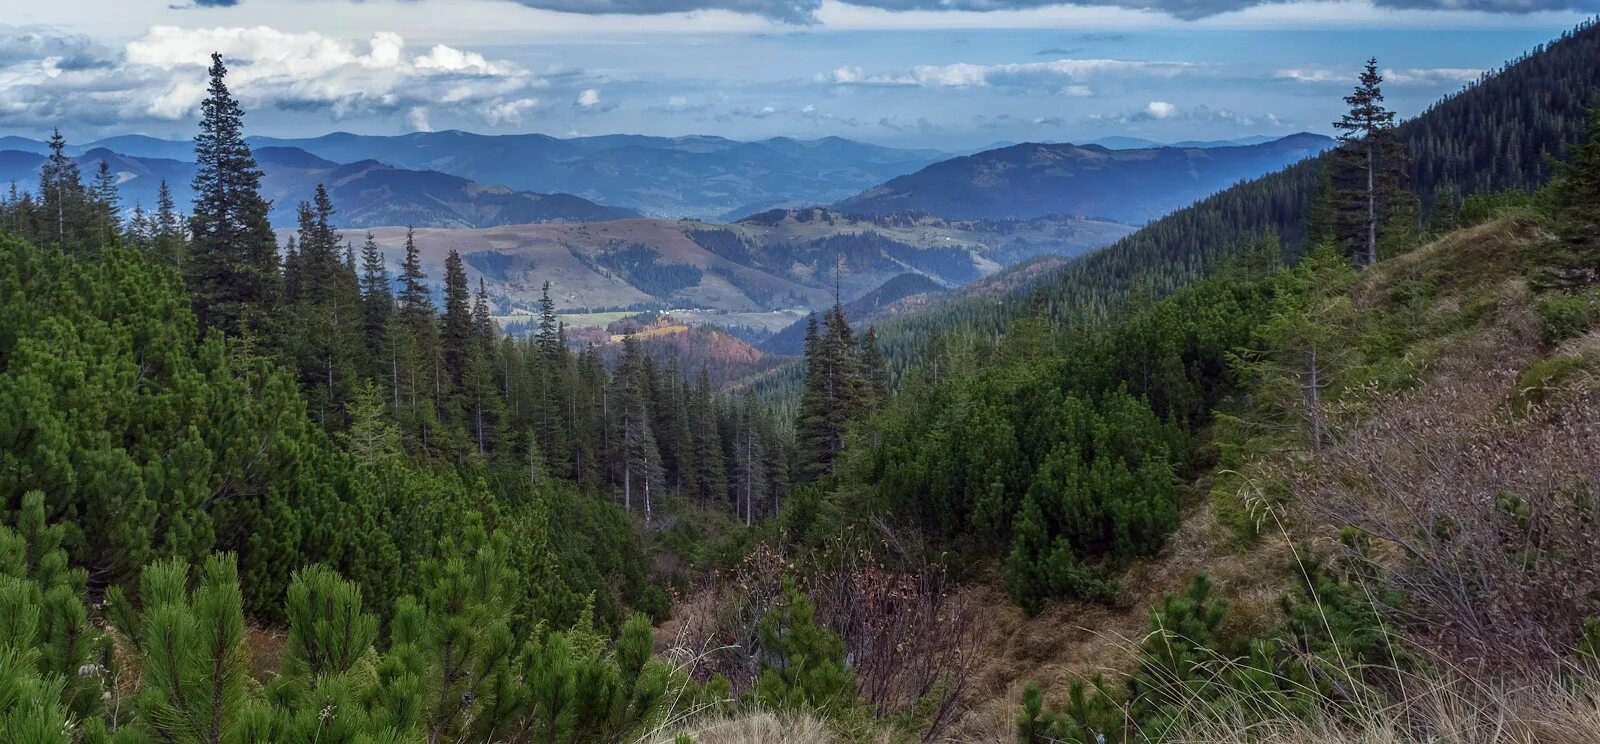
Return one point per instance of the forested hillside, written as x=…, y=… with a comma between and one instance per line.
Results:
x=1489, y=137
x=1332, y=483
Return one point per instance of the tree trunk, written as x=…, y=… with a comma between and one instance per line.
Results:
x=1314, y=399
x=1372, y=207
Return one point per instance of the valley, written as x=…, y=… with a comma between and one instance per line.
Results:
x=761, y=272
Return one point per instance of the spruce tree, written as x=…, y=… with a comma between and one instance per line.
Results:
x=833, y=393
x=232, y=264
x=456, y=334
x=167, y=234
x=377, y=297
x=1573, y=260
x=106, y=207
x=1370, y=168
x=63, y=202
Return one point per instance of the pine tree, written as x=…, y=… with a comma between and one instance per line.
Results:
x=377, y=301
x=63, y=200
x=638, y=457
x=1370, y=168
x=1573, y=260
x=106, y=206
x=167, y=236
x=833, y=394
x=750, y=460
x=456, y=334
x=232, y=264
x=875, y=371
x=323, y=297
x=420, y=369
x=710, y=467
x=548, y=341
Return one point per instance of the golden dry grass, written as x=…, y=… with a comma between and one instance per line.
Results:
x=1074, y=640
x=760, y=727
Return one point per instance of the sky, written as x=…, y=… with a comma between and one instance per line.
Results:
x=953, y=75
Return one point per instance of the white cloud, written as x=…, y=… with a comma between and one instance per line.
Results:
x=1411, y=76
x=1160, y=110
x=1163, y=111
x=161, y=76
x=418, y=117
x=967, y=75
x=508, y=112
x=589, y=98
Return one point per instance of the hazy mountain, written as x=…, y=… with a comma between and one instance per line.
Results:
x=663, y=176
x=760, y=273
x=876, y=304
x=1032, y=180
x=366, y=193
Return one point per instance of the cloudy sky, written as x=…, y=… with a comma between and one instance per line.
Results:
x=949, y=74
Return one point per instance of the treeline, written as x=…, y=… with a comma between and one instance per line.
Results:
x=360, y=341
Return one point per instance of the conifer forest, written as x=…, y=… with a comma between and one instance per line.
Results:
x=453, y=438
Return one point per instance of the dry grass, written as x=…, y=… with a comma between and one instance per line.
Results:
x=759, y=727
x=1551, y=706
x=1467, y=385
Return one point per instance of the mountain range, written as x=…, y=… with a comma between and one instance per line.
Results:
x=367, y=192
x=1032, y=180
x=762, y=272
x=694, y=176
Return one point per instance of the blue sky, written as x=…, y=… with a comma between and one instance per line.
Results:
x=947, y=74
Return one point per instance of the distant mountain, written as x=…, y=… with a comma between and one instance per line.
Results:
x=1033, y=180
x=878, y=303
x=366, y=193
x=694, y=176
x=1117, y=142
x=724, y=356
x=757, y=273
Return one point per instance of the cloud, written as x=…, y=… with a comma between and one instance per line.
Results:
x=1164, y=111
x=589, y=98
x=1407, y=77
x=1160, y=110
x=160, y=76
x=418, y=117
x=803, y=12
x=508, y=112
x=1026, y=74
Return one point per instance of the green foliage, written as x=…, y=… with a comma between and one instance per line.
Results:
x=1563, y=316
x=802, y=662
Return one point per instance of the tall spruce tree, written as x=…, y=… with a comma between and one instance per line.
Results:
x=456, y=328
x=833, y=394
x=232, y=263
x=1369, y=169
x=377, y=300
x=62, y=198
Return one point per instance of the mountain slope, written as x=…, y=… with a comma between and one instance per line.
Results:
x=1487, y=137
x=904, y=290
x=367, y=193
x=1032, y=180
x=787, y=261
x=694, y=176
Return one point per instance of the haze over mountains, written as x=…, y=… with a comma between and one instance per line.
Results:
x=1032, y=180
x=524, y=209
x=695, y=176
x=774, y=264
